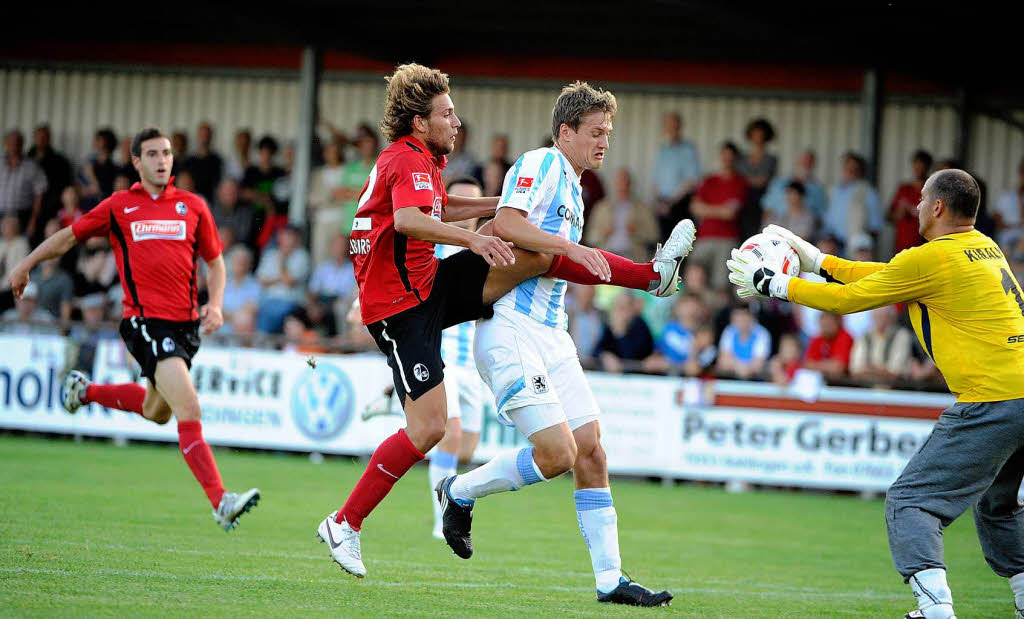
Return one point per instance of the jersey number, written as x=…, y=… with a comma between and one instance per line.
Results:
x=1010, y=286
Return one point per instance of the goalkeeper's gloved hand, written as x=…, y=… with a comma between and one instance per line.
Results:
x=757, y=279
x=810, y=256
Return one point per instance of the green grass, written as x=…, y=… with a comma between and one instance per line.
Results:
x=93, y=529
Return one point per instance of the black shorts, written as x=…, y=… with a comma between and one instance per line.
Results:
x=411, y=339
x=150, y=340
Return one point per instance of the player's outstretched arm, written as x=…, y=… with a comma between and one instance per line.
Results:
x=511, y=225
x=413, y=222
x=461, y=208
x=57, y=245
x=813, y=260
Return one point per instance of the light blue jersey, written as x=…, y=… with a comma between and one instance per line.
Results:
x=544, y=185
x=457, y=340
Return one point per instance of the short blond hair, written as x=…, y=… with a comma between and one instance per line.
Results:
x=409, y=92
x=576, y=101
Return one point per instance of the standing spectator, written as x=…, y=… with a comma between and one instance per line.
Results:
x=179, y=148
x=239, y=162
x=100, y=169
x=55, y=166
x=1007, y=213
x=462, y=162
x=22, y=184
x=282, y=191
x=125, y=167
x=622, y=224
x=716, y=206
x=229, y=212
x=797, y=215
x=70, y=209
x=55, y=289
x=882, y=355
x=774, y=199
x=326, y=202
x=784, y=365
x=829, y=351
x=283, y=272
x=356, y=172
x=903, y=211
x=13, y=247
x=499, y=153
x=493, y=178
x=585, y=323
x=625, y=335
x=853, y=203
x=744, y=347
x=96, y=270
x=242, y=289
x=758, y=167
x=332, y=287
x=257, y=188
x=205, y=165
x=676, y=174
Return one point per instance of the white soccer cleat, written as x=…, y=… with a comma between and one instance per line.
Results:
x=668, y=258
x=232, y=506
x=343, y=541
x=71, y=392
x=917, y=614
x=438, y=533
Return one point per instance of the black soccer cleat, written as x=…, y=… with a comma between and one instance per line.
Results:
x=456, y=520
x=634, y=594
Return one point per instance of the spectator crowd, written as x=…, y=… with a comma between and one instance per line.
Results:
x=293, y=283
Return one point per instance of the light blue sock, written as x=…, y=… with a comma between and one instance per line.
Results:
x=509, y=470
x=442, y=464
x=599, y=525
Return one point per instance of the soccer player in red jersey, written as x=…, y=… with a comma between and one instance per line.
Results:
x=158, y=232
x=407, y=296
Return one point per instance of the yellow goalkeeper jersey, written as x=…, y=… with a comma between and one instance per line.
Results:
x=964, y=303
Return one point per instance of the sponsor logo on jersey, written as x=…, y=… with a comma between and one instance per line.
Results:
x=362, y=224
x=131, y=210
x=421, y=181
x=523, y=184
x=180, y=208
x=158, y=229
x=437, y=210
x=566, y=213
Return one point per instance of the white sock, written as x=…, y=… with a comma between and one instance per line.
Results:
x=599, y=525
x=933, y=595
x=442, y=464
x=509, y=470
x=1017, y=585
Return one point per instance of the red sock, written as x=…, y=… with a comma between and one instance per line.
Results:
x=393, y=458
x=625, y=273
x=199, y=458
x=127, y=397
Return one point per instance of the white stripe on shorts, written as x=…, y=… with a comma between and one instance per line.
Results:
x=394, y=347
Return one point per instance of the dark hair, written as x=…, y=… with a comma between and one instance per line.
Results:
x=958, y=191
x=463, y=180
x=146, y=134
x=106, y=135
x=763, y=125
x=730, y=146
x=798, y=187
x=267, y=142
x=862, y=164
x=924, y=157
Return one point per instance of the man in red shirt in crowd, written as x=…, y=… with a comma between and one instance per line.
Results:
x=407, y=296
x=716, y=206
x=829, y=351
x=157, y=233
x=903, y=211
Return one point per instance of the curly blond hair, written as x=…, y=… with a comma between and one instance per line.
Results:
x=409, y=92
x=576, y=101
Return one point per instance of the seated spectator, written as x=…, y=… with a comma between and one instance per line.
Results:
x=235, y=167
x=1007, y=213
x=282, y=273
x=797, y=215
x=70, y=209
x=787, y=361
x=829, y=351
x=625, y=335
x=257, y=185
x=705, y=354
x=716, y=207
x=806, y=318
x=227, y=237
x=744, y=347
x=27, y=318
x=13, y=248
x=882, y=355
x=298, y=336
x=675, y=345
x=205, y=165
x=242, y=288
x=55, y=289
x=903, y=210
x=332, y=287
x=774, y=200
x=282, y=189
x=229, y=212
x=185, y=182
x=326, y=203
x=695, y=282
x=853, y=204
x=676, y=174
x=622, y=224
x=96, y=270
x=93, y=329
x=758, y=167
x=242, y=328
x=585, y=324
x=462, y=162
x=122, y=183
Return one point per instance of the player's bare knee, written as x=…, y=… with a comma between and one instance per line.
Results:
x=555, y=458
x=425, y=433
x=188, y=412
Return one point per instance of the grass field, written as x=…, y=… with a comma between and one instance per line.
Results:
x=94, y=529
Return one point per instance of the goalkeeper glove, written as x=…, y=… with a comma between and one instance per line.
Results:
x=756, y=279
x=810, y=256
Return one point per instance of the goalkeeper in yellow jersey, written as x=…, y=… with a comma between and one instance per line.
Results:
x=968, y=311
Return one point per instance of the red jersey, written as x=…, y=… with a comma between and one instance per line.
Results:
x=156, y=242
x=717, y=190
x=396, y=272
x=907, y=235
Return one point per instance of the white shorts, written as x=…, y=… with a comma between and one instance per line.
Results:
x=526, y=363
x=465, y=393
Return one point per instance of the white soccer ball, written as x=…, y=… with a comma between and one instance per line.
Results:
x=772, y=251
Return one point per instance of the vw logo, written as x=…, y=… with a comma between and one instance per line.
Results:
x=322, y=402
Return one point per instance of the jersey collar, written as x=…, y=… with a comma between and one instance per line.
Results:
x=169, y=189
x=441, y=161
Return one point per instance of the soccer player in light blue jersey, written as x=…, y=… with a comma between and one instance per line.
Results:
x=525, y=355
